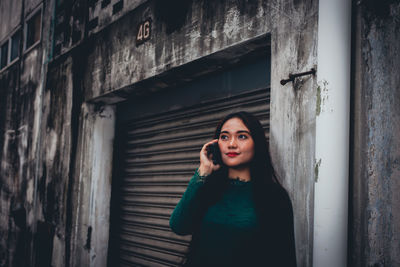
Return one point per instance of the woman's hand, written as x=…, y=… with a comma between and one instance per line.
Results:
x=206, y=164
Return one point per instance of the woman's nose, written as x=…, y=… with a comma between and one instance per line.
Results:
x=232, y=142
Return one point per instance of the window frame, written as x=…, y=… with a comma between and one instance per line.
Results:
x=16, y=31
x=38, y=10
x=9, y=39
x=6, y=40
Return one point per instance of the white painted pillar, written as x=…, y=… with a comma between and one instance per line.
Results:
x=332, y=134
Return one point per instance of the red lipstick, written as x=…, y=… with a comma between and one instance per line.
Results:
x=232, y=154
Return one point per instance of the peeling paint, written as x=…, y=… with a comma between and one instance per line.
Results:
x=9, y=137
x=231, y=25
x=317, y=164
x=318, y=109
x=51, y=147
x=30, y=191
x=322, y=96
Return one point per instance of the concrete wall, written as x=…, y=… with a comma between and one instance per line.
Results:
x=117, y=69
x=293, y=112
x=60, y=120
x=101, y=15
x=55, y=116
x=30, y=6
x=92, y=188
x=205, y=27
x=375, y=222
x=10, y=13
x=21, y=85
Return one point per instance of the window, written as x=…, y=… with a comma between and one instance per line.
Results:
x=4, y=55
x=15, y=42
x=33, y=26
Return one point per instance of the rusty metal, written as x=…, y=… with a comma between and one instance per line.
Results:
x=293, y=76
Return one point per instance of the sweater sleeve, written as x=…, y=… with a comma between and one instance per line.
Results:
x=182, y=218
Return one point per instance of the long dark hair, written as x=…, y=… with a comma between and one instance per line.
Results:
x=261, y=167
x=262, y=173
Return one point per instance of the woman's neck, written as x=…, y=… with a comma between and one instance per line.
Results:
x=242, y=173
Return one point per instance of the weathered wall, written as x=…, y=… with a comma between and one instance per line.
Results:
x=25, y=235
x=68, y=21
x=59, y=130
x=30, y=5
x=375, y=221
x=52, y=171
x=20, y=85
x=92, y=187
x=205, y=27
x=117, y=69
x=10, y=14
x=12, y=191
x=293, y=112
x=103, y=13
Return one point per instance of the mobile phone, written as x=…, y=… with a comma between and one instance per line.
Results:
x=213, y=150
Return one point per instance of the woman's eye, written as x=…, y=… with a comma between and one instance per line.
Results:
x=242, y=136
x=223, y=137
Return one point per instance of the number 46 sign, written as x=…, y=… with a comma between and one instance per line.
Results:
x=143, y=32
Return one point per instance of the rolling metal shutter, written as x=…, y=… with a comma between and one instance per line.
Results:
x=158, y=157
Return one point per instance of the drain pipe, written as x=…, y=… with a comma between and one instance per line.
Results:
x=332, y=134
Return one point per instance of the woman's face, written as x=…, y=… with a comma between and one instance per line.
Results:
x=236, y=144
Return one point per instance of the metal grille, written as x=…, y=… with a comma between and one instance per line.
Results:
x=159, y=156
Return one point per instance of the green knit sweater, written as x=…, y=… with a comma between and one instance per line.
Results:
x=229, y=233
x=226, y=225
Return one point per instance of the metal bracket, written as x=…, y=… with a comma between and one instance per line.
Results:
x=293, y=76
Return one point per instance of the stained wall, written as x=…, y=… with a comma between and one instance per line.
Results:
x=21, y=83
x=375, y=176
x=58, y=111
x=118, y=69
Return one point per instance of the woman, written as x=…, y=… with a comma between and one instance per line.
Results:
x=236, y=210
